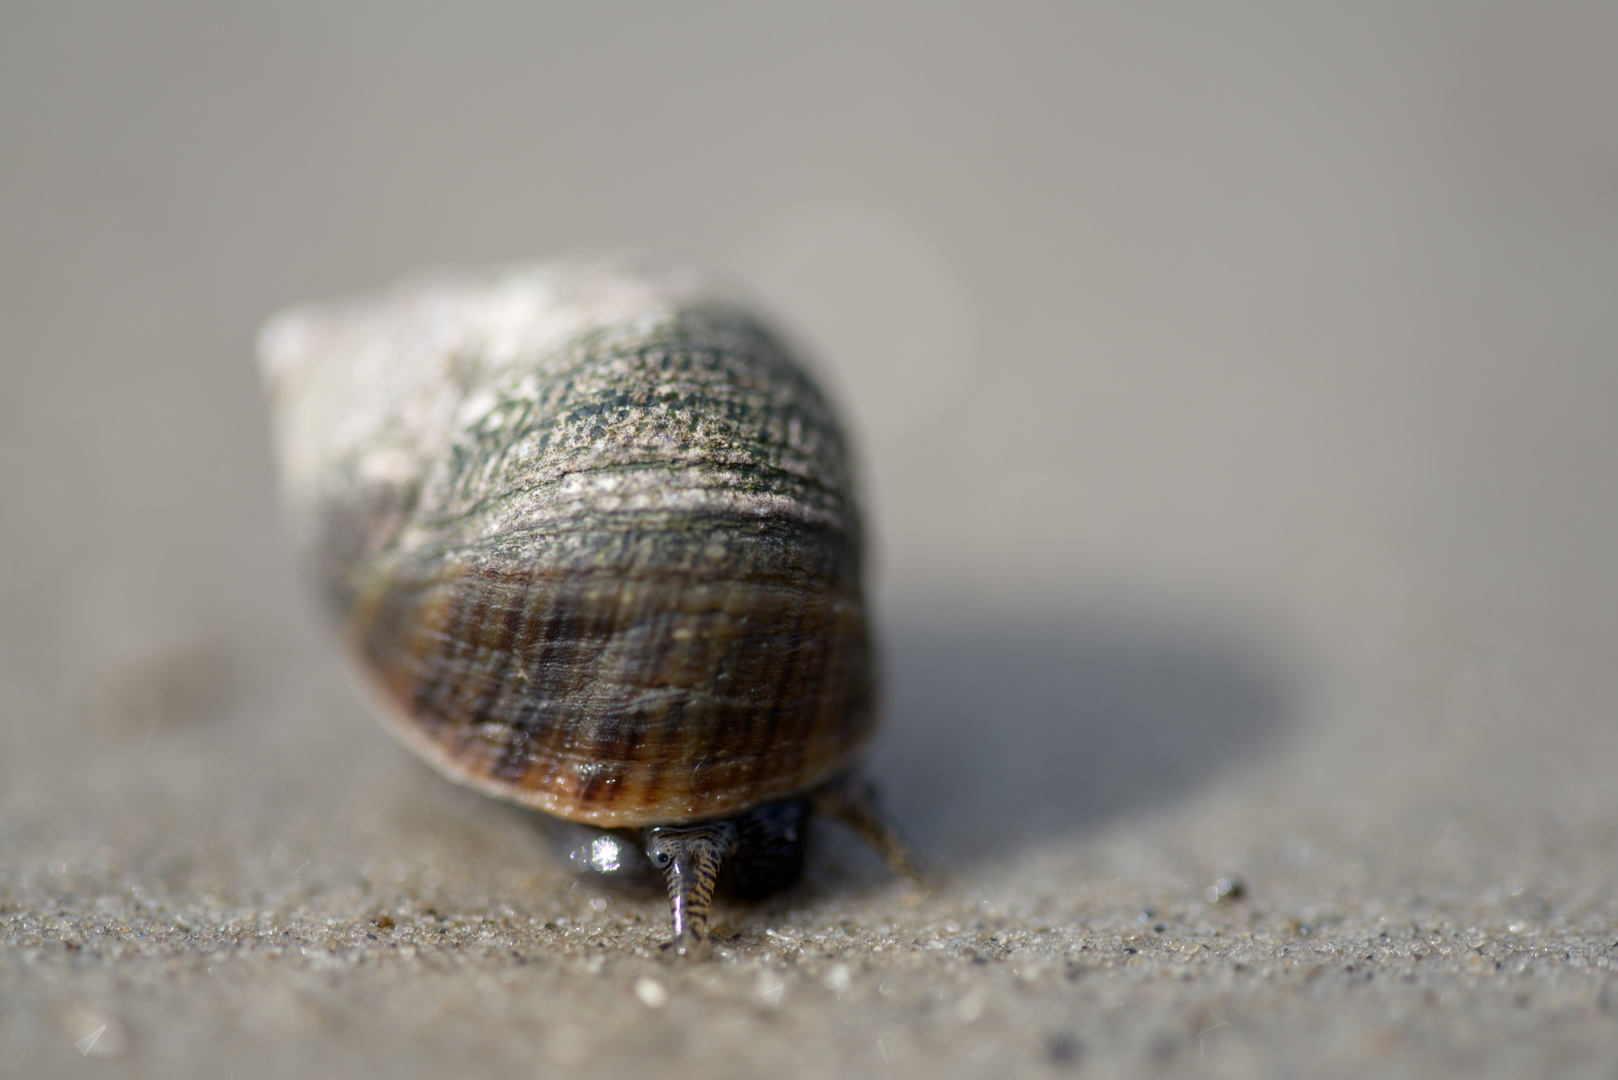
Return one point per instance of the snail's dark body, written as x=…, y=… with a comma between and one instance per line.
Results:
x=770, y=846
x=592, y=535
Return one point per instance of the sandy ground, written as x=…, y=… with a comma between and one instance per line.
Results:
x=1234, y=393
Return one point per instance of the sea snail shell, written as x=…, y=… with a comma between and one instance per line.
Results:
x=591, y=535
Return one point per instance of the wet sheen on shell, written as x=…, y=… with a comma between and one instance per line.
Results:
x=590, y=532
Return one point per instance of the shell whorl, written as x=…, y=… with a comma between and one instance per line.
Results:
x=591, y=533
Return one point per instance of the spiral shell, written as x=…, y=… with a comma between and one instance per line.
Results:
x=590, y=532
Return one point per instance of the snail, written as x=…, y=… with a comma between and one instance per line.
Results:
x=590, y=534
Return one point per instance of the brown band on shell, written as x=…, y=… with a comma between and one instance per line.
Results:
x=625, y=700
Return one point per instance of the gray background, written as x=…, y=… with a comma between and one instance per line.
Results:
x=1233, y=386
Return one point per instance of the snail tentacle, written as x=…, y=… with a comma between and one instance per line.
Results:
x=852, y=800
x=690, y=857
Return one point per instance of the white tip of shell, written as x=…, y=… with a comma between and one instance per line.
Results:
x=282, y=340
x=512, y=302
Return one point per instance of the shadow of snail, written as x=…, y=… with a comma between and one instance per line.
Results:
x=1004, y=732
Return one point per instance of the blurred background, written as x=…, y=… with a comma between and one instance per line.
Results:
x=1233, y=386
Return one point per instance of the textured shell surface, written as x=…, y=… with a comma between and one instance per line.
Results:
x=588, y=530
